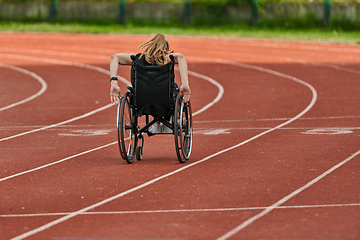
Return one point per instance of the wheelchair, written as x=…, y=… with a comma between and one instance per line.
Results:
x=153, y=94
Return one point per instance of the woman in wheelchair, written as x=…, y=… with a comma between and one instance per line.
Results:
x=155, y=52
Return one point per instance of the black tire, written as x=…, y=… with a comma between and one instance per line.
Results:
x=183, y=129
x=126, y=134
x=138, y=153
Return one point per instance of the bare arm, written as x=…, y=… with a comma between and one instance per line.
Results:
x=115, y=60
x=183, y=69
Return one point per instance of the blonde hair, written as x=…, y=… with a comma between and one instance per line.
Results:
x=155, y=50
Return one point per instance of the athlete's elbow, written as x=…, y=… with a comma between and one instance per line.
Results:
x=181, y=58
x=113, y=58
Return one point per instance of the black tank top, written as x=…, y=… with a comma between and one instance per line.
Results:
x=142, y=60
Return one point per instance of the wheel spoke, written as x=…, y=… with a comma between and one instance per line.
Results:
x=126, y=137
x=183, y=130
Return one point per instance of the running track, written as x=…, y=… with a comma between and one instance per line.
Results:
x=276, y=150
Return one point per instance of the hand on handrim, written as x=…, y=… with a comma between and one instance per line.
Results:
x=185, y=91
x=115, y=93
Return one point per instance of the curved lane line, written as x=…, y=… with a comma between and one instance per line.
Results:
x=37, y=77
x=63, y=63
x=218, y=97
x=81, y=211
x=125, y=81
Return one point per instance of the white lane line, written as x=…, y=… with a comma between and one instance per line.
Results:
x=331, y=130
x=37, y=77
x=47, y=60
x=60, y=123
x=218, y=97
x=61, y=127
x=197, y=121
x=209, y=131
x=56, y=162
x=182, y=210
x=286, y=198
x=336, y=67
x=54, y=61
x=273, y=119
x=74, y=214
x=212, y=81
x=286, y=128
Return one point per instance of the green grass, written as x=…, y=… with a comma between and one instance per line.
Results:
x=325, y=35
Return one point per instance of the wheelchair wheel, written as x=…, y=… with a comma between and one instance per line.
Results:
x=126, y=135
x=183, y=129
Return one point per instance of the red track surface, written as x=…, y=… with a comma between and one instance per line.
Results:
x=277, y=157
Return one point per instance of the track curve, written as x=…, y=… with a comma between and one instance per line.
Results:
x=248, y=170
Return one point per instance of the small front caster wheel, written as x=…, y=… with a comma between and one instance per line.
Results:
x=138, y=153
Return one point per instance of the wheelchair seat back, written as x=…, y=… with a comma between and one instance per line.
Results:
x=153, y=88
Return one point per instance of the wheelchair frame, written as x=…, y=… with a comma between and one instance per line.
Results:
x=130, y=134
